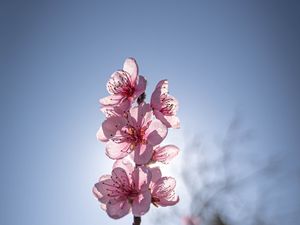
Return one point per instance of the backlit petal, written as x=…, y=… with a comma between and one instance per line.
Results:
x=156, y=175
x=100, y=135
x=165, y=154
x=141, y=204
x=143, y=154
x=131, y=67
x=126, y=163
x=141, y=86
x=156, y=132
x=117, y=150
x=141, y=177
x=160, y=89
x=111, y=125
x=118, y=209
x=100, y=190
x=111, y=100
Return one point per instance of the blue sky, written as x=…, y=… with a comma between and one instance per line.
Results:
x=56, y=57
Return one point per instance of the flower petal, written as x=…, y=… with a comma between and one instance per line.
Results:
x=117, y=150
x=169, y=121
x=140, y=115
x=163, y=190
x=131, y=67
x=156, y=175
x=126, y=163
x=111, y=125
x=141, y=204
x=164, y=184
x=156, y=132
x=140, y=87
x=100, y=191
x=169, y=202
x=116, y=110
x=111, y=100
x=118, y=209
x=100, y=135
x=141, y=177
x=143, y=154
x=165, y=154
x=160, y=89
x=172, y=121
x=120, y=177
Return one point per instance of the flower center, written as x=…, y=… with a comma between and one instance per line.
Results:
x=169, y=105
x=120, y=83
x=136, y=136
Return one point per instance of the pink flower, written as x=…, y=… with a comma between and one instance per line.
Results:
x=138, y=132
x=127, y=188
x=165, y=154
x=124, y=87
x=162, y=189
x=164, y=105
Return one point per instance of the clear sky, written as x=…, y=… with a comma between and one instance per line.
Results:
x=56, y=57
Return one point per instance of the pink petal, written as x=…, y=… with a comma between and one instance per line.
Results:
x=99, y=189
x=160, y=89
x=111, y=125
x=118, y=209
x=126, y=163
x=165, y=154
x=172, y=121
x=111, y=100
x=169, y=121
x=141, y=86
x=100, y=135
x=116, y=110
x=164, y=184
x=169, y=202
x=140, y=115
x=141, y=177
x=163, y=190
x=141, y=204
x=156, y=132
x=120, y=176
x=143, y=154
x=131, y=67
x=117, y=150
x=156, y=175
x=103, y=206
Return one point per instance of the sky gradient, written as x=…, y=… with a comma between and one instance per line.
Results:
x=56, y=57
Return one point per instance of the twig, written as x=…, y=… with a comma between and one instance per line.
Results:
x=136, y=220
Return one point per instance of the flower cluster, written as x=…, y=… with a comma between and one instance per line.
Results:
x=133, y=132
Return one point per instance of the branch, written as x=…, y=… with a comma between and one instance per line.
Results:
x=136, y=220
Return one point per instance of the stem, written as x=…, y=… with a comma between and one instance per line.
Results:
x=137, y=220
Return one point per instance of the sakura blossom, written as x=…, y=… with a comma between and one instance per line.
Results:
x=162, y=189
x=125, y=190
x=164, y=105
x=139, y=132
x=133, y=131
x=124, y=87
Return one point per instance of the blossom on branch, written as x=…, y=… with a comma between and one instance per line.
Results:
x=123, y=190
x=164, y=105
x=124, y=87
x=132, y=132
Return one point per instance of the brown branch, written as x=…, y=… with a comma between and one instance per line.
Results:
x=136, y=220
